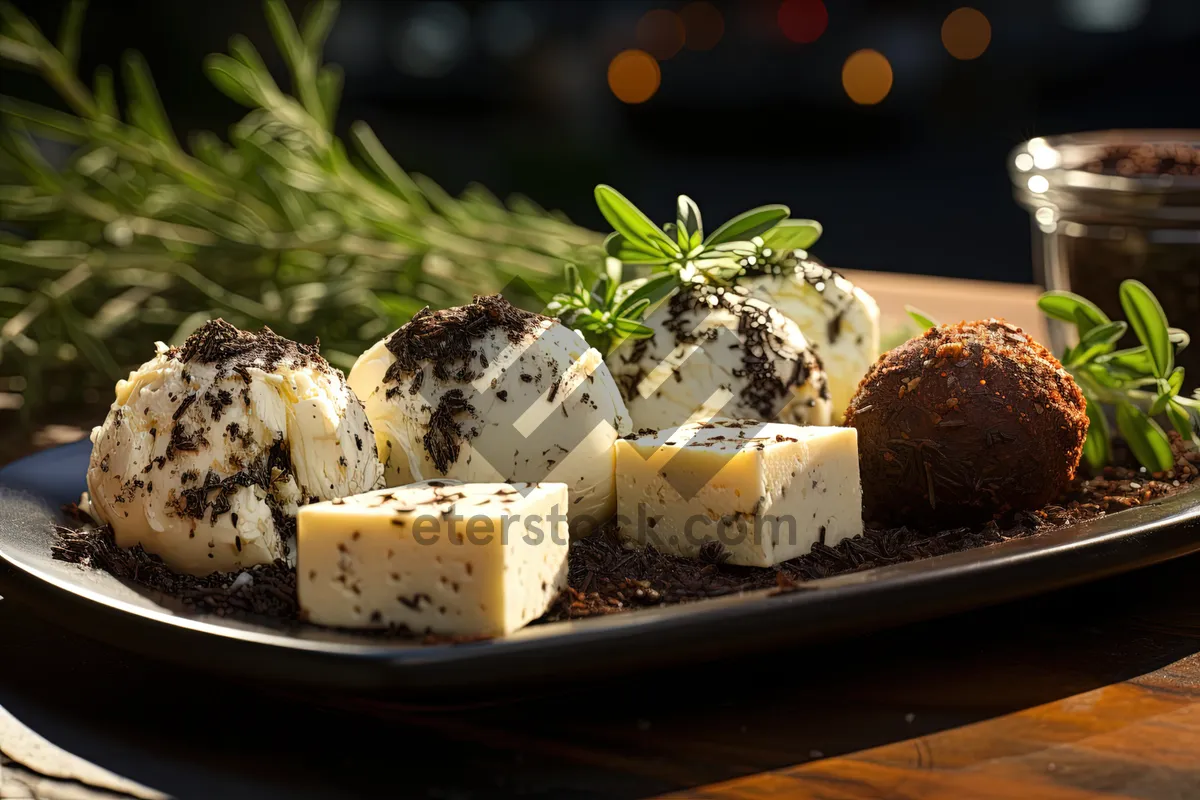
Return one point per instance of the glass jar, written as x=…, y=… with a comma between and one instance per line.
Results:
x=1112, y=205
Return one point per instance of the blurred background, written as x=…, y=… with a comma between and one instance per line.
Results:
x=898, y=151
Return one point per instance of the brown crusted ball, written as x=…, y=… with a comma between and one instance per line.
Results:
x=964, y=423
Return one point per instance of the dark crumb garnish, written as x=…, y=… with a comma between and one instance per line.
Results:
x=270, y=593
x=766, y=390
x=445, y=338
x=444, y=437
x=233, y=350
x=605, y=577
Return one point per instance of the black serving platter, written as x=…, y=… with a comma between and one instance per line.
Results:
x=98, y=605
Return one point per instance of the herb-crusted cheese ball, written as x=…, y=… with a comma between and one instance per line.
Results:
x=487, y=392
x=210, y=449
x=840, y=320
x=963, y=423
x=717, y=352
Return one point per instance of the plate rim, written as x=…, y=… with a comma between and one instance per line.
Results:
x=1121, y=530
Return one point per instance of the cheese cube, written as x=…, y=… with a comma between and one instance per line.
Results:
x=765, y=492
x=434, y=557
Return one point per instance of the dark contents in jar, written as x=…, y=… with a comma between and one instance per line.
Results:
x=1173, y=158
x=1098, y=261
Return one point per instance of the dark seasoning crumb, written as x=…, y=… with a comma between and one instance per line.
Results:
x=604, y=577
x=446, y=340
x=765, y=390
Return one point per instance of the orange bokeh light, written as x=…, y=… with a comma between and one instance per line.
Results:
x=867, y=77
x=803, y=21
x=704, y=25
x=966, y=33
x=661, y=33
x=634, y=76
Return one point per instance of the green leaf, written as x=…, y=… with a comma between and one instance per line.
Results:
x=689, y=230
x=371, y=149
x=105, y=93
x=329, y=88
x=1175, y=381
x=574, y=282
x=1105, y=375
x=602, y=293
x=654, y=289
x=923, y=320
x=1097, y=448
x=635, y=310
x=749, y=224
x=19, y=52
x=632, y=329
x=318, y=21
x=287, y=37
x=1179, y=338
x=620, y=248
x=631, y=223
x=1181, y=420
x=793, y=234
x=45, y=120
x=1145, y=438
x=70, y=30
x=612, y=268
x=145, y=106
x=1067, y=306
x=1161, y=399
x=1097, y=341
x=232, y=78
x=1149, y=323
x=1133, y=362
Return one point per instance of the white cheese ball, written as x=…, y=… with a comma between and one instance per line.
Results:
x=209, y=450
x=487, y=392
x=719, y=353
x=839, y=320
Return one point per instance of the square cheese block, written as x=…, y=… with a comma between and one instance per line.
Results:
x=766, y=492
x=441, y=556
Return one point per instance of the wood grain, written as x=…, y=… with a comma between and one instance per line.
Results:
x=1137, y=739
x=951, y=300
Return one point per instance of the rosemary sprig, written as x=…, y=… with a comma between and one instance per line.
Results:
x=1141, y=383
x=139, y=238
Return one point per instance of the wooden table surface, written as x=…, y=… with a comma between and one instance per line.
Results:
x=1084, y=693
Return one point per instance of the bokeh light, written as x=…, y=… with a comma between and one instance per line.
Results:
x=661, y=33
x=703, y=23
x=966, y=33
x=634, y=76
x=1103, y=16
x=433, y=40
x=803, y=21
x=867, y=77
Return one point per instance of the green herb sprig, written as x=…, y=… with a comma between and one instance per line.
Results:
x=141, y=238
x=676, y=254
x=1141, y=383
x=752, y=242
x=610, y=312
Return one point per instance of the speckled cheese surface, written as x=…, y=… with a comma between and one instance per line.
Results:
x=441, y=556
x=766, y=493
